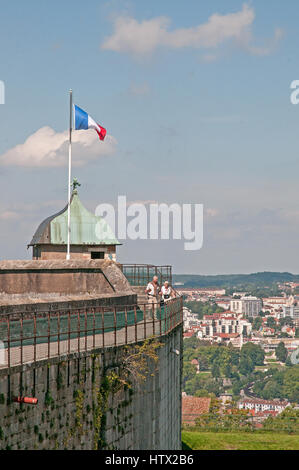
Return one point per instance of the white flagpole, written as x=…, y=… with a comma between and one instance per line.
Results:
x=68, y=255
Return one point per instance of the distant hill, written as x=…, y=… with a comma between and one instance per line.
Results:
x=235, y=280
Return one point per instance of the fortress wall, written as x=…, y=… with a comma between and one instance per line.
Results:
x=70, y=395
x=42, y=305
x=60, y=282
x=61, y=277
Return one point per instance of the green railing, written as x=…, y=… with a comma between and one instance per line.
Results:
x=142, y=274
x=30, y=337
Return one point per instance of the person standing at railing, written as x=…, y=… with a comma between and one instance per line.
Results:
x=167, y=292
x=153, y=292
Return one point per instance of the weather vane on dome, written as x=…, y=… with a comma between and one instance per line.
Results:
x=75, y=184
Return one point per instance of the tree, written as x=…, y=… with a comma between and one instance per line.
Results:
x=227, y=371
x=201, y=308
x=291, y=384
x=246, y=365
x=286, y=321
x=237, y=386
x=271, y=323
x=271, y=390
x=215, y=371
x=191, y=343
x=257, y=323
x=203, y=363
x=204, y=394
x=281, y=352
x=189, y=372
x=287, y=421
x=254, y=352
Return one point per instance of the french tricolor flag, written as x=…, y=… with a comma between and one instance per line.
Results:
x=84, y=121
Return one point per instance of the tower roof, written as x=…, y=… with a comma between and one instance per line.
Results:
x=86, y=228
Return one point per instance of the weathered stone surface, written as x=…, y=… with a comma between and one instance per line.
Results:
x=50, y=303
x=148, y=418
x=62, y=277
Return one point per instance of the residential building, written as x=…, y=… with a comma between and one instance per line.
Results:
x=249, y=306
x=224, y=327
x=257, y=405
x=191, y=320
x=291, y=311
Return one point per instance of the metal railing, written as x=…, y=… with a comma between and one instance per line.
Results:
x=31, y=337
x=142, y=274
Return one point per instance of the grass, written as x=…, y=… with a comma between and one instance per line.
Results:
x=239, y=441
x=204, y=374
x=270, y=365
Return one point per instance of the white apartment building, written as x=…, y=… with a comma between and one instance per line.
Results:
x=190, y=319
x=262, y=405
x=224, y=323
x=291, y=311
x=249, y=306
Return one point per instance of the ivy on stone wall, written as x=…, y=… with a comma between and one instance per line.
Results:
x=109, y=386
x=133, y=371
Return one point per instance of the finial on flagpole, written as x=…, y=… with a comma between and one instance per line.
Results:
x=75, y=184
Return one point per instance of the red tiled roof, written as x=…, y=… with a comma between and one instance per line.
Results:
x=212, y=317
x=221, y=316
x=261, y=414
x=189, y=334
x=258, y=401
x=193, y=407
x=227, y=335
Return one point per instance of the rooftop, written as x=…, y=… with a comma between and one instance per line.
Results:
x=86, y=228
x=258, y=401
x=193, y=407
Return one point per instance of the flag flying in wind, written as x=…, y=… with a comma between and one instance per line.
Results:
x=84, y=121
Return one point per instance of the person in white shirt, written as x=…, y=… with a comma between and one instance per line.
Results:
x=167, y=292
x=153, y=291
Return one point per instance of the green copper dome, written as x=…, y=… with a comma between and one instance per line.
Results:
x=86, y=228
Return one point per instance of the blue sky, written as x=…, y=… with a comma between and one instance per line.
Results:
x=208, y=122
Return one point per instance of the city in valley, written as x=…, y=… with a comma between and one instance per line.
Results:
x=241, y=350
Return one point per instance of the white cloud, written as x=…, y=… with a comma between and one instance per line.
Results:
x=247, y=42
x=47, y=148
x=136, y=38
